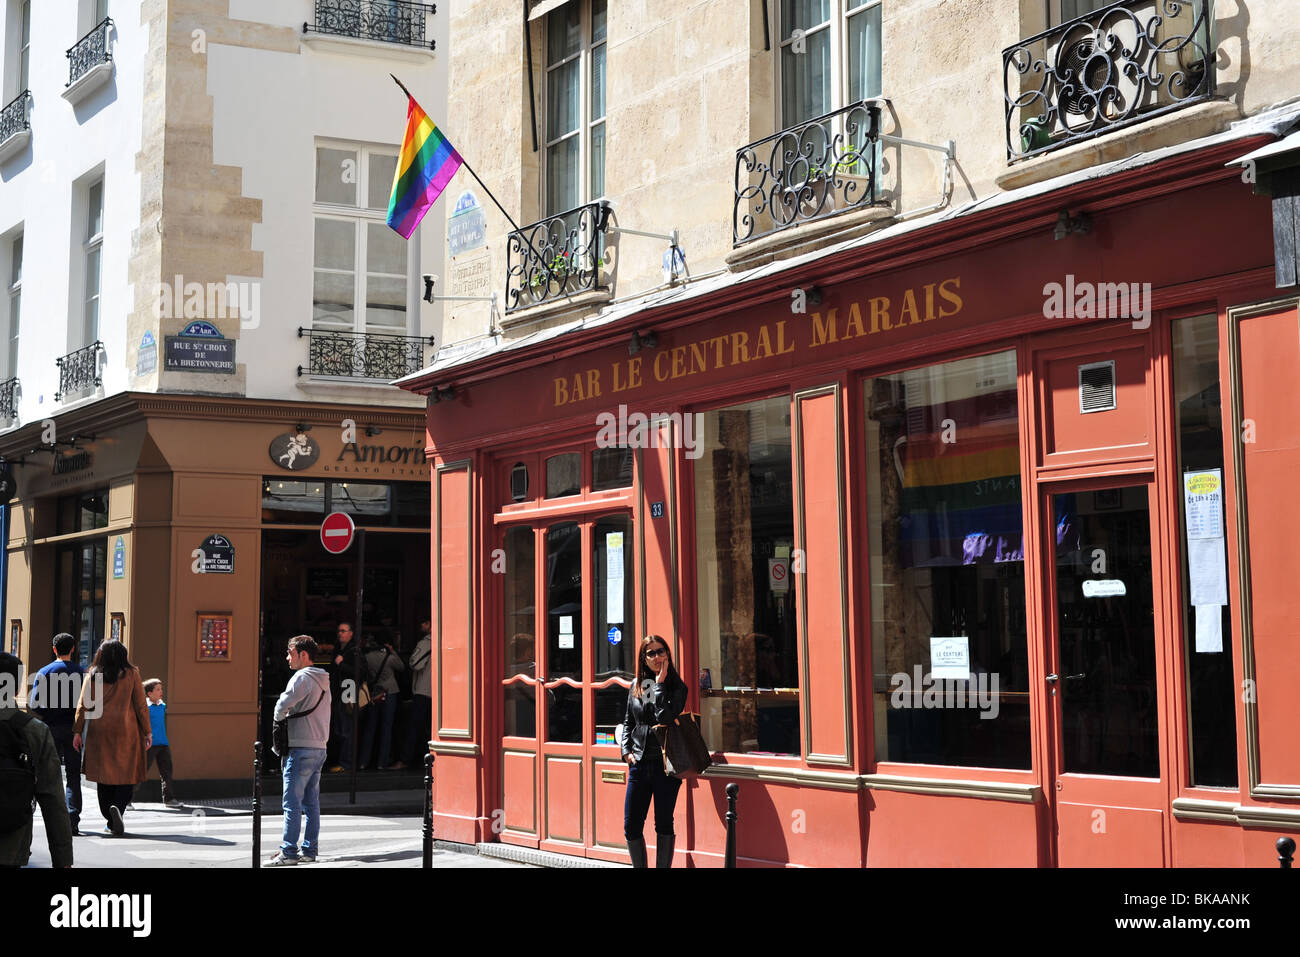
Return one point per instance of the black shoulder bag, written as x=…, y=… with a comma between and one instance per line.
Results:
x=280, y=729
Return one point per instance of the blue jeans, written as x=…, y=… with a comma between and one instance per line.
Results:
x=646, y=779
x=378, y=717
x=302, y=795
x=71, y=759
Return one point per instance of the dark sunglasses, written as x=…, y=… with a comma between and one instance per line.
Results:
x=656, y=652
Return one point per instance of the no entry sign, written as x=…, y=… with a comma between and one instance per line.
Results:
x=337, y=532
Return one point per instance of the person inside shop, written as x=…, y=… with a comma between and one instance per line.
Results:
x=344, y=670
x=657, y=697
x=382, y=664
x=419, y=722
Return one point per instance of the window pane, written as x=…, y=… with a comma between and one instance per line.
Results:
x=336, y=244
x=95, y=210
x=611, y=468
x=413, y=505
x=363, y=500
x=293, y=502
x=15, y=311
x=744, y=508
x=598, y=161
x=520, y=634
x=1212, y=719
x=92, y=294
x=562, y=176
x=944, y=520
x=332, y=299
x=563, y=107
x=616, y=643
x=563, y=32
x=598, y=82
x=336, y=176
x=386, y=303
x=16, y=262
x=564, y=632
x=385, y=250
x=803, y=14
x=563, y=475
x=806, y=79
x=864, y=54
x=382, y=168
x=598, y=20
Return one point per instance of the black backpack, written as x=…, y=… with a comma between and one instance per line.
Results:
x=17, y=775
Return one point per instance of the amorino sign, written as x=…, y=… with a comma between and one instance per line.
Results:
x=377, y=459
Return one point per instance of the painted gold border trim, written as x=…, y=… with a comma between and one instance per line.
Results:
x=1196, y=809
x=802, y=777
x=465, y=748
x=805, y=702
x=988, y=790
x=467, y=466
x=1258, y=789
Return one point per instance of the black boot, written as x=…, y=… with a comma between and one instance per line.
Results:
x=636, y=848
x=664, y=849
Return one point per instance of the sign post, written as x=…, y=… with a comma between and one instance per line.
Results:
x=336, y=534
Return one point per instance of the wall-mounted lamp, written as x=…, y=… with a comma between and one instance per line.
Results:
x=814, y=295
x=373, y=430
x=429, y=280
x=303, y=427
x=639, y=341
x=442, y=394
x=1067, y=224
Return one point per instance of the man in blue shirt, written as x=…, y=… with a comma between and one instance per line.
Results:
x=56, y=688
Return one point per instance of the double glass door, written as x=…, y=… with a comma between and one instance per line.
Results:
x=569, y=649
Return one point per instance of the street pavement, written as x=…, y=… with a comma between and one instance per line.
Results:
x=204, y=836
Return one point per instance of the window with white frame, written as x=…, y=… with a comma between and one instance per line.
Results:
x=15, y=301
x=575, y=105
x=93, y=249
x=830, y=56
x=361, y=265
x=24, y=50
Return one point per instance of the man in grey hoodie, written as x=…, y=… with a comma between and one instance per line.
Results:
x=306, y=705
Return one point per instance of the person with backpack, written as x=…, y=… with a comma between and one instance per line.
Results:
x=29, y=769
x=54, y=694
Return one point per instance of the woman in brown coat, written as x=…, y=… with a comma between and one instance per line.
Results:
x=113, y=717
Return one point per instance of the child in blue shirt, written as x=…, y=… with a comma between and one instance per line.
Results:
x=161, y=750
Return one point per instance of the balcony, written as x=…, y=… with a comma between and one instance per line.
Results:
x=79, y=372
x=15, y=126
x=1120, y=65
x=362, y=355
x=9, y=400
x=385, y=21
x=556, y=258
x=821, y=168
x=90, y=62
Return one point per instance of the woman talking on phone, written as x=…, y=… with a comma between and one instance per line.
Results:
x=657, y=696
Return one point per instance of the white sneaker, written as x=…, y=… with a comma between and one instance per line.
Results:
x=281, y=861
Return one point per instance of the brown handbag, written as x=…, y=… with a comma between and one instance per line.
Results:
x=683, y=747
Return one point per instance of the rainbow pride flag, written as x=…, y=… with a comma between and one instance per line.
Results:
x=425, y=166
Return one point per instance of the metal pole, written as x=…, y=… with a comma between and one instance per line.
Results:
x=428, y=811
x=257, y=804
x=358, y=661
x=1285, y=852
x=730, y=859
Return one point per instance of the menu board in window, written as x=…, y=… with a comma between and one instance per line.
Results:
x=214, y=637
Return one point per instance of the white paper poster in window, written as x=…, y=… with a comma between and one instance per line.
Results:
x=614, y=578
x=1207, y=561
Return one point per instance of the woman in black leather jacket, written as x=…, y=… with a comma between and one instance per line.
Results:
x=657, y=697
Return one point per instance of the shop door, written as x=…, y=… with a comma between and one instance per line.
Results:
x=1104, y=678
x=567, y=671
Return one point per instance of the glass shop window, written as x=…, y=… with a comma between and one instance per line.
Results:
x=948, y=639
x=293, y=501
x=744, y=507
x=1207, y=627
x=611, y=468
x=564, y=475
x=82, y=512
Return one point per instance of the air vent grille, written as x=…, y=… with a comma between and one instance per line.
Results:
x=1097, y=386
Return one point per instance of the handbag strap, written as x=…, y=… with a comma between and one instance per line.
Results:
x=303, y=714
x=380, y=670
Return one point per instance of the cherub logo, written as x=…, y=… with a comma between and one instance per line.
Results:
x=294, y=451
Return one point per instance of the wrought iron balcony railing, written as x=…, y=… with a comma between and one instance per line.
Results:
x=90, y=51
x=16, y=116
x=362, y=355
x=9, y=398
x=825, y=166
x=1122, y=64
x=79, y=371
x=556, y=257
x=392, y=21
